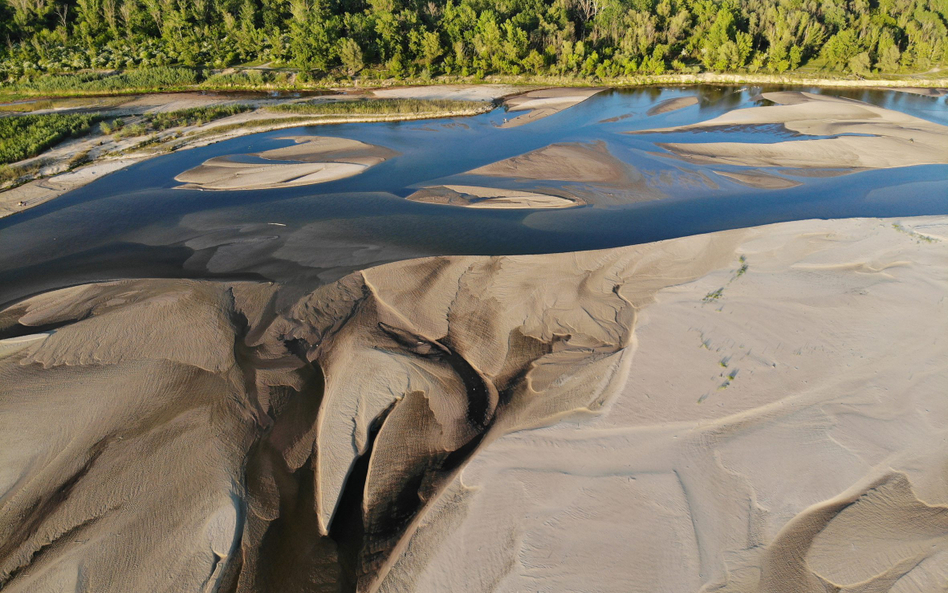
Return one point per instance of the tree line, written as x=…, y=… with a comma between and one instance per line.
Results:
x=410, y=38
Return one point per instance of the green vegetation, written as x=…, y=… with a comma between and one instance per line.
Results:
x=26, y=136
x=917, y=236
x=167, y=44
x=383, y=107
x=157, y=122
x=145, y=79
x=712, y=296
x=194, y=116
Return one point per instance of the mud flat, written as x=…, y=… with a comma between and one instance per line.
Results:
x=757, y=409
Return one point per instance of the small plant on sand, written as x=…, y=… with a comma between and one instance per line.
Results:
x=743, y=269
x=713, y=296
x=917, y=236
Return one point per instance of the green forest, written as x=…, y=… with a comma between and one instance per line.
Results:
x=424, y=38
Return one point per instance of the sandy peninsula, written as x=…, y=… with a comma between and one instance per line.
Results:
x=859, y=136
x=749, y=410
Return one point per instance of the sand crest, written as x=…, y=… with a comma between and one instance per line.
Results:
x=489, y=197
x=860, y=136
x=544, y=103
x=315, y=159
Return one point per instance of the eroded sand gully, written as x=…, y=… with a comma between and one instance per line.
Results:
x=750, y=410
x=857, y=136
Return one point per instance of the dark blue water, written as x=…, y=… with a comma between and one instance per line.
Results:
x=134, y=224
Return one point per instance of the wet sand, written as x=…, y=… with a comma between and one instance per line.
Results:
x=673, y=105
x=544, y=103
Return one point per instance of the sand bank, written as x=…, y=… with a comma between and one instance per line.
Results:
x=604, y=179
x=861, y=136
x=323, y=159
x=490, y=197
x=589, y=163
x=544, y=103
x=673, y=105
x=750, y=410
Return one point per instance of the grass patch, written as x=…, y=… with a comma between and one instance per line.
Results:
x=26, y=136
x=194, y=116
x=384, y=107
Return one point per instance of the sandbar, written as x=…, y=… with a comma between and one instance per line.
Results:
x=314, y=159
x=490, y=197
x=544, y=103
x=673, y=105
x=861, y=136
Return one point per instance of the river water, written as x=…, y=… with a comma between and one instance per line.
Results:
x=133, y=223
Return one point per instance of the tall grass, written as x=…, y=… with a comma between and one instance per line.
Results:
x=145, y=79
x=193, y=116
x=383, y=107
x=26, y=136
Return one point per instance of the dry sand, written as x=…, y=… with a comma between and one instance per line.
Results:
x=544, y=103
x=751, y=410
x=605, y=179
x=322, y=159
x=490, y=197
x=863, y=136
x=589, y=163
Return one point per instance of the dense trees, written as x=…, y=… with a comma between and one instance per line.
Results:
x=384, y=38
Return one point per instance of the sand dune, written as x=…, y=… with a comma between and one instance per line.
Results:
x=315, y=159
x=544, y=103
x=750, y=410
x=860, y=136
